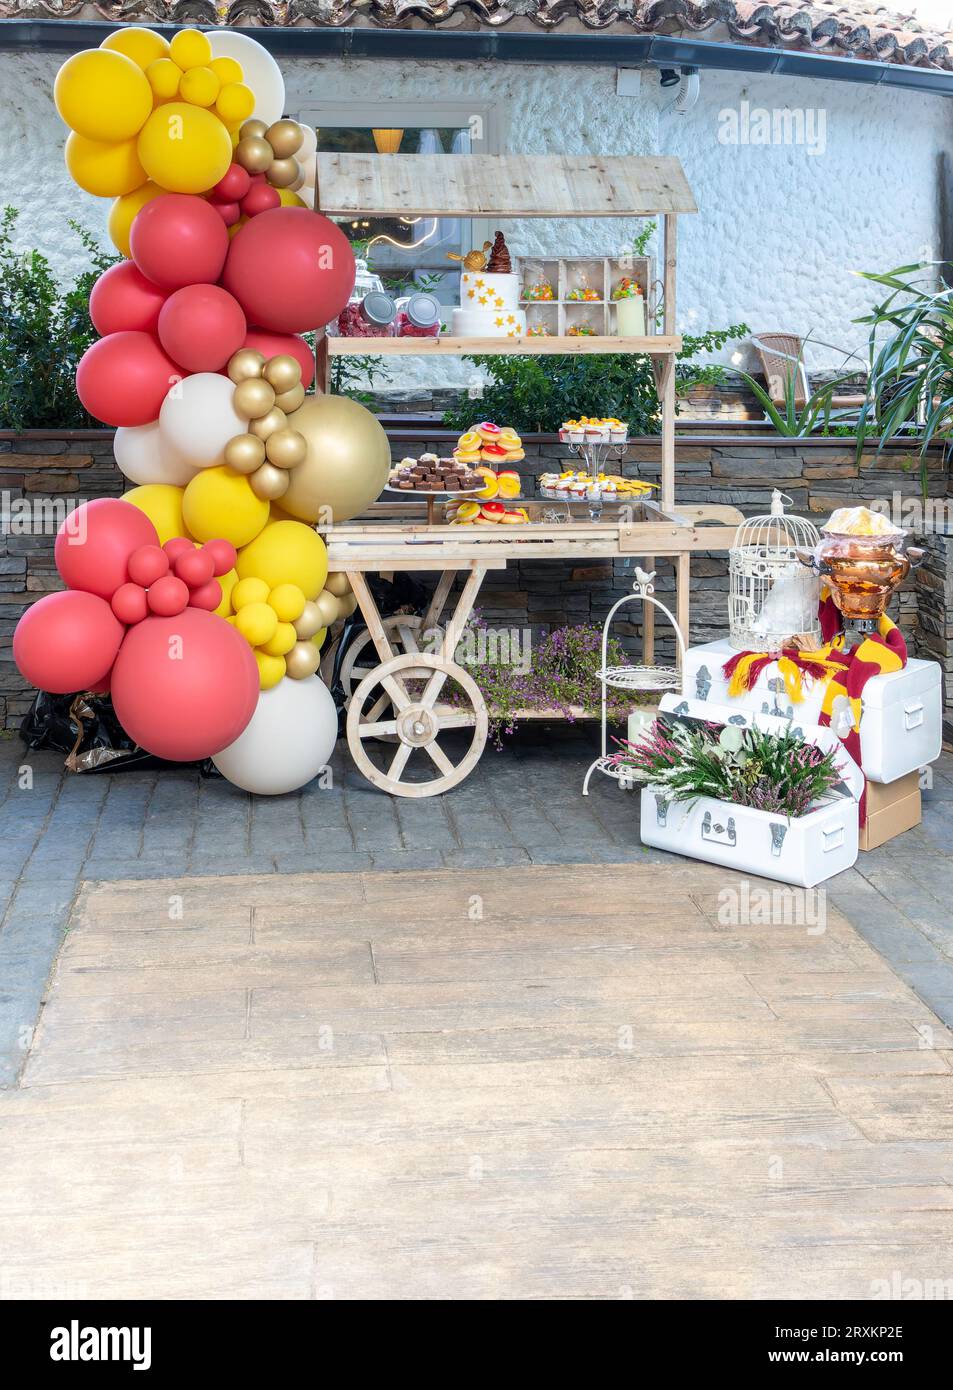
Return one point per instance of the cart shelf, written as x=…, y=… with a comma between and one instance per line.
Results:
x=652, y=345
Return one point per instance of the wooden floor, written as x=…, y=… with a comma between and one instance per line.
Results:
x=530, y=1082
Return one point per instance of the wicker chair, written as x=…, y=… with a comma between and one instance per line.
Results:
x=782, y=357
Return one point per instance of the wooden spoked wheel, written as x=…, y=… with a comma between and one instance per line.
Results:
x=401, y=699
x=404, y=632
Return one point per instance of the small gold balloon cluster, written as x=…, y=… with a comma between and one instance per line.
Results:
x=270, y=150
x=266, y=393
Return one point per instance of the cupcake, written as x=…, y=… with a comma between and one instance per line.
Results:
x=618, y=434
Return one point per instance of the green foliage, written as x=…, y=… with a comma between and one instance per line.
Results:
x=535, y=394
x=791, y=420
x=44, y=331
x=911, y=359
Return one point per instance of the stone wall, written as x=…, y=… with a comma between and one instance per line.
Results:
x=40, y=474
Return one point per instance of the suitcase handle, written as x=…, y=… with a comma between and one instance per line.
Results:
x=913, y=715
x=833, y=838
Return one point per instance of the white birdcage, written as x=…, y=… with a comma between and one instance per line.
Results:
x=772, y=595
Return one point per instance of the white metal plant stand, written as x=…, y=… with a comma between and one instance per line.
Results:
x=646, y=678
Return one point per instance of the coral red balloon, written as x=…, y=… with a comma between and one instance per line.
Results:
x=261, y=198
x=129, y=603
x=168, y=596
x=123, y=379
x=207, y=596
x=185, y=687
x=228, y=212
x=95, y=542
x=147, y=564
x=122, y=299
x=68, y=641
x=224, y=556
x=233, y=185
x=201, y=326
x=290, y=269
x=178, y=239
x=195, y=569
x=177, y=546
x=271, y=344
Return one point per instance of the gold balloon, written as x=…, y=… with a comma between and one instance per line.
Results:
x=276, y=419
x=244, y=453
x=269, y=482
x=283, y=172
x=309, y=624
x=254, y=154
x=302, y=661
x=245, y=363
x=282, y=372
x=253, y=398
x=299, y=181
x=327, y=607
x=347, y=464
x=291, y=400
x=338, y=584
x=348, y=605
x=253, y=127
x=285, y=138
x=286, y=448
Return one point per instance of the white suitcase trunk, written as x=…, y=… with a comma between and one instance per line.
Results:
x=901, y=726
x=804, y=851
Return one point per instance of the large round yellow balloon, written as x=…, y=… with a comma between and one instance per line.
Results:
x=124, y=210
x=143, y=46
x=219, y=503
x=106, y=169
x=346, y=465
x=102, y=95
x=184, y=148
x=162, y=504
x=286, y=552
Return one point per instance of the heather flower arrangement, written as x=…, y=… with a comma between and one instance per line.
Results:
x=780, y=773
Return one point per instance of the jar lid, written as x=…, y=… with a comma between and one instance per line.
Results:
x=378, y=308
x=423, y=310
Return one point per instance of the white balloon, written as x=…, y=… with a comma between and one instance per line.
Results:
x=309, y=145
x=197, y=419
x=260, y=72
x=143, y=456
x=288, y=740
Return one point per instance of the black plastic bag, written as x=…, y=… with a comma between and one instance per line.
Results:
x=85, y=728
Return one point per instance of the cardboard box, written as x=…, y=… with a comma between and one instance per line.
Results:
x=892, y=808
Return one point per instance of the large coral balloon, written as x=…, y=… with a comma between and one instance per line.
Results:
x=184, y=687
x=178, y=240
x=94, y=543
x=290, y=269
x=67, y=642
x=124, y=378
x=123, y=300
x=201, y=326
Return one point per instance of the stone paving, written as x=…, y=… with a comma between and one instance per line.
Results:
x=520, y=806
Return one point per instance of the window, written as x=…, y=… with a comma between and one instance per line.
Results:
x=409, y=253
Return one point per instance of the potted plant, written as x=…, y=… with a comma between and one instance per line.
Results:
x=755, y=794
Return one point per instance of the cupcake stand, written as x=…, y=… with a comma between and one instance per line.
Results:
x=396, y=716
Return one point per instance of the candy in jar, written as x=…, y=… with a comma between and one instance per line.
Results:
x=419, y=317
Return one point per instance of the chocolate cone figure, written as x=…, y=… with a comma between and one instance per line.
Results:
x=499, y=262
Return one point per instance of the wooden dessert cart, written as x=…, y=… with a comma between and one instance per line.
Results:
x=398, y=701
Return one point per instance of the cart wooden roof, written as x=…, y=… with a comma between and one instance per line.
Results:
x=501, y=185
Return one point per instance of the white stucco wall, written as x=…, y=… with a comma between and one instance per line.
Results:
x=779, y=228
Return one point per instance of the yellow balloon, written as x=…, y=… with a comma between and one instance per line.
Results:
x=124, y=210
x=288, y=602
x=286, y=552
x=164, y=77
x=220, y=503
x=271, y=669
x=143, y=46
x=190, y=49
x=227, y=70
x=257, y=623
x=235, y=103
x=227, y=582
x=102, y=95
x=106, y=169
x=184, y=148
x=281, y=641
x=248, y=591
x=162, y=504
x=200, y=86
x=290, y=200
x=318, y=638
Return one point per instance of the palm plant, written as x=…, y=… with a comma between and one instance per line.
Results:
x=911, y=358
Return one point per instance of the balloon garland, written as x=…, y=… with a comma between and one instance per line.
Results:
x=189, y=599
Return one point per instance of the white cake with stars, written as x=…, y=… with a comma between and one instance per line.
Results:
x=489, y=306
